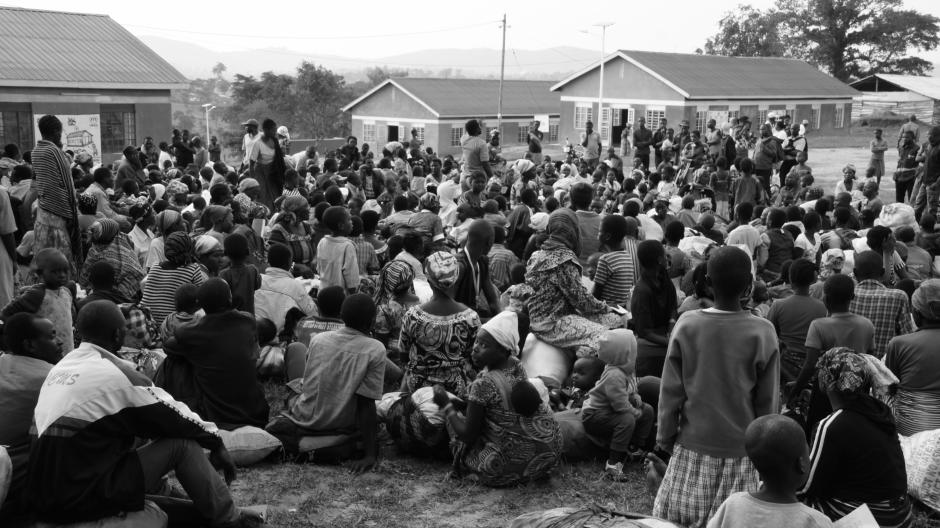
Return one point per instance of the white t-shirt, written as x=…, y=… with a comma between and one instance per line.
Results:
x=247, y=143
x=742, y=510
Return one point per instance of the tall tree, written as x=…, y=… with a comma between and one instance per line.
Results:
x=747, y=32
x=379, y=74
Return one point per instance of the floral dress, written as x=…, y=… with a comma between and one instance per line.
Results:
x=561, y=311
x=438, y=350
x=512, y=449
x=388, y=321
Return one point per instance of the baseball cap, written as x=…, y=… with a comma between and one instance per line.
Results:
x=250, y=122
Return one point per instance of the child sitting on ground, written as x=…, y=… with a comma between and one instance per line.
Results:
x=337, y=262
x=52, y=299
x=271, y=357
x=187, y=306
x=329, y=302
x=242, y=278
x=667, y=187
x=777, y=448
x=616, y=272
x=516, y=295
x=584, y=376
x=614, y=408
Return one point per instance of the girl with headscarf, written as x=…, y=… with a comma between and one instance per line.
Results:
x=179, y=268
x=266, y=163
x=209, y=254
x=165, y=223
x=856, y=457
x=437, y=336
x=256, y=213
x=292, y=230
x=111, y=246
x=830, y=264
x=524, y=173
x=393, y=297
x=561, y=310
x=913, y=358
x=507, y=435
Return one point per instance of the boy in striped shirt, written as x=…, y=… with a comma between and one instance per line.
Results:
x=616, y=270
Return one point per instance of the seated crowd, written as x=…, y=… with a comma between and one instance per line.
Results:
x=763, y=365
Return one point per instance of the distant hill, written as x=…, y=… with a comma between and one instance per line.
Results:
x=195, y=61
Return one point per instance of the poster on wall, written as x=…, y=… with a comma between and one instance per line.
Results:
x=79, y=133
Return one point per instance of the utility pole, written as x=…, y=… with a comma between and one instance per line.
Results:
x=600, y=91
x=502, y=72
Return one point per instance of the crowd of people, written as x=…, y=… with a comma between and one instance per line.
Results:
x=701, y=304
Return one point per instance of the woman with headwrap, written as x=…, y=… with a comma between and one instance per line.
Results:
x=393, y=297
x=209, y=254
x=111, y=246
x=131, y=168
x=856, y=457
x=179, y=268
x=518, y=223
x=830, y=264
x=141, y=215
x=247, y=199
x=437, y=336
x=165, y=223
x=216, y=221
x=507, y=435
x=266, y=163
x=292, y=230
x=524, y=174
x=427, y=222
x=561, y=310
x=915, y=360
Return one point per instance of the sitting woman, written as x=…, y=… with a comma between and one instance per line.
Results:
x=292, y=230
x=562, y=312
x=437, y=336
x=914, y=360
x=702, y=297
x=111, y=246
x=393, y=297
x=178, y=269
x=654, y=306
x=506, y=436
x=856, y=455
x=166, y=223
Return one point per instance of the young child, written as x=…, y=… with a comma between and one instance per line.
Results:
x=241, y=277
x=776, y=447
x=614, y=408
x=720, y=183
x=187, y=308
x=779, y=243
x=616, y=270
x=337, y=262
x=667, y=187
x=722, y=370
x=677, y=262
x=685, y=215
x=475, y=196
x=792, y=317
x=787, y=195
x=271, y=355
x=365, y=252
x=878, y=147
x=52, y=299
x=584, y=375
x=502, y=260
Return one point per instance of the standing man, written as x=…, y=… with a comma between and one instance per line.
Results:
x=683, y=138
x=910, y=126
x=150, y=150
x=877, y=162
x=768, y=153
x=658, y=137
x=713, y=139
x=642, y=139
x=794, y=144
x=248, y=141
x=929, y=192
x=591, y=141
x=476, y=152
x=907, y=168
x=215, y=150
x=626, y=147
x=535, y=143
x=350, y=151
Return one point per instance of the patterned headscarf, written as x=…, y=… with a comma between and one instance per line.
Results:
x=179, y=250
x=441, y=270
x=103, y=231
x=395, y=276
x=429, y=201
x=843, y=370
x=926, y=299
x=831, y=263
x=158, y=191
x=88, y=200
x=176, y=187
x=563, y=232
x=206, y=244
x=166, y=219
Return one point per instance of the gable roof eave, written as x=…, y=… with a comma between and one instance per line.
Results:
x=383, y=84
x=624, y=56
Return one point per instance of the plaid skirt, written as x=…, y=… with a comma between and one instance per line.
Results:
x=695, y=485
x=51, y=231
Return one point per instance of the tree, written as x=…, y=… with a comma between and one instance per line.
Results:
x=219, y=70
x=183, y=121
x=747, y=32
x=380, y=74
x=847, y=38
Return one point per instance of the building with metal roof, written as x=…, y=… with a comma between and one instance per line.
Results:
x=109, y=89
x=899, y=94
x=437, y=110
x=696, y=88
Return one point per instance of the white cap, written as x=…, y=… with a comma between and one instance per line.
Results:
x=282, y=131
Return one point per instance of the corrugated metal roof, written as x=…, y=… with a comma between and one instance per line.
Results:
x=75, y=50
x=716, y=77
x=927, y=86
x=477, y=97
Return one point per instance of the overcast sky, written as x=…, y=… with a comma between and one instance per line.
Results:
x=369, y=28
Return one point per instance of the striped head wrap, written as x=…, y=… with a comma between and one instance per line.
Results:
x=395, y=277
x=166, y=220
x=179, y=250
x=103, y=231
x=441, y=269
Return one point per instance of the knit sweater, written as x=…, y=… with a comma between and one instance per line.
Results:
x=722, y=371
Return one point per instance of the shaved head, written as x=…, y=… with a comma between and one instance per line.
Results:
x=214, y=295
x=101, y=323
x=729, y=270
x=633, y=227
x=868, y=265
x=775, y=444
x=50, y=256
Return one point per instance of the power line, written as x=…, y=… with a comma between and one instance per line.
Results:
x=287, y=37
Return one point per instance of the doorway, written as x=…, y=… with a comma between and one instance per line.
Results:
x=392, y=133
x=620, y=119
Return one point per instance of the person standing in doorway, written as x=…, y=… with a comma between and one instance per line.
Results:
x=642, y=139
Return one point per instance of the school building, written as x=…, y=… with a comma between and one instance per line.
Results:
x=898, y=94
x=108, y=88
x=438, y=109
x=697, y=88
